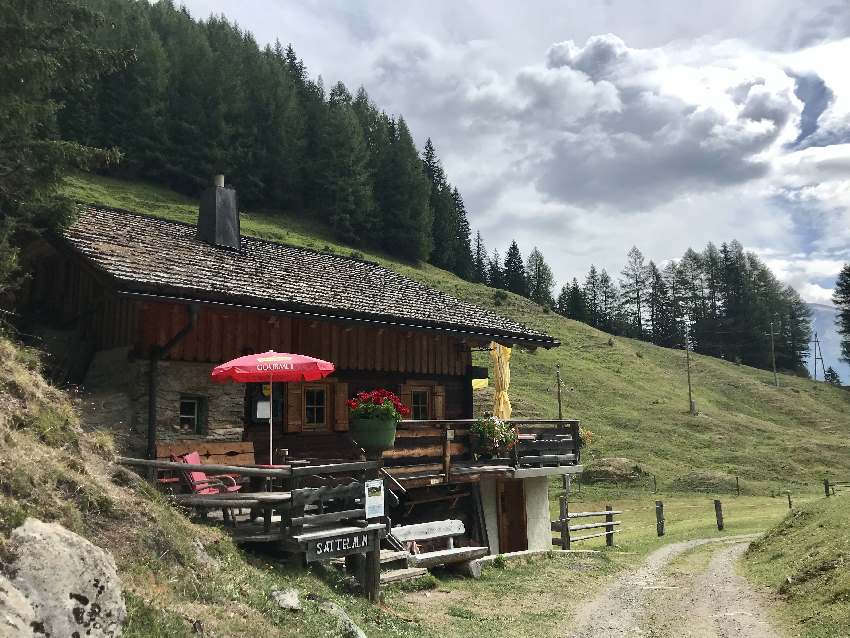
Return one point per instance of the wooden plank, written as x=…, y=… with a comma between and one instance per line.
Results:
x=575, y=528
x=335, y=531
x=586, y=514
x=428, y=450
x=428, y=531
x=280, y=471
x=335, y=468
x=403, y=432
x=589, y=536
x=448, y=556
x=400, y=470
x=332, y=517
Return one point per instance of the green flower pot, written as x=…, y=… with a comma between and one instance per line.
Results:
x=373, y=435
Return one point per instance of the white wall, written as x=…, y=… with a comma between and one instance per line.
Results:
x=537, y=513
x=490, y=505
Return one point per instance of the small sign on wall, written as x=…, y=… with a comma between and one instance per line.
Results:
x=374, y=498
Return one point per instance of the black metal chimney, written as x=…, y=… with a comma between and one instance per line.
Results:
x=218, y=217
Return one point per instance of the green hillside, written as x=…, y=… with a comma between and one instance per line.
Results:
x=804, y=560
x=631, y=394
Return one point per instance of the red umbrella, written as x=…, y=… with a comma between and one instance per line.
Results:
x=272, y=366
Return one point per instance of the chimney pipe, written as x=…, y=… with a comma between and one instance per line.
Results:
x=218, y=216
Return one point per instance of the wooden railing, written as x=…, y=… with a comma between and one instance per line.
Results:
x=563, y=525
x=440, y=450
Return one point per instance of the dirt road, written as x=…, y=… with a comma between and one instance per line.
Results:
x=685, y=589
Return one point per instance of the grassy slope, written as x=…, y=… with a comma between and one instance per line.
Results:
x=806, y=560
x=632, y=395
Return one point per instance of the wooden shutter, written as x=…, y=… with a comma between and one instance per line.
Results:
x=438, y=398
x=406, y=396
x=294, y=418
x=340, y=406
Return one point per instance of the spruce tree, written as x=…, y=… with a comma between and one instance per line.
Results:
x=576, y=305
x=562, y=304
x=841, y=299
x=539, y=278
x=444, y=231
x=831, y=376
x=479, y=260
x=495, y=272
x=515, y=279
x=463, y=260
x=47, y=49
x=609, y=303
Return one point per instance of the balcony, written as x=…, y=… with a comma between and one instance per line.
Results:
x=435, y=452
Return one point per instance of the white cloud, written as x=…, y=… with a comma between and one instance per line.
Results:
x=585, y=128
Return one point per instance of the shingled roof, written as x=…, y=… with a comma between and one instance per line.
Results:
x=151, y=256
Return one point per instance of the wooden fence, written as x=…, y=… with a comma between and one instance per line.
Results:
x=830, y=487
x=563, y=525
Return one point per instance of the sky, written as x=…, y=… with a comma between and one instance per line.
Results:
x=587, y=127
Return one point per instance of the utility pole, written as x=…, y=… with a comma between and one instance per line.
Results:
x=773, y=357
x=692, y=408
x=817, y=355
x=558, y=378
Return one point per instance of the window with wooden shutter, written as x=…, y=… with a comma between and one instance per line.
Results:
x=406, y=395
x=294, y=415
x=341, y=407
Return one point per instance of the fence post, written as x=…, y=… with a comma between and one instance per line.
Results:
x=609, y=529
x=659, y=517
x=789, y=500
x=826, y=487
x=737, y=487
x=565, y=523
x=718, y=513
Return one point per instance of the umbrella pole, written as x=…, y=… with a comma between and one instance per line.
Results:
x=271, y=418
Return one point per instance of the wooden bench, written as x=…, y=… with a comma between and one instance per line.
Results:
x=446, y=530
x=234, y=453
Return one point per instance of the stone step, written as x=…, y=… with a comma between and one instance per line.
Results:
x=401, y=575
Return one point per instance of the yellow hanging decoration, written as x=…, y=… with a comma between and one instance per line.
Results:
x=501, y=357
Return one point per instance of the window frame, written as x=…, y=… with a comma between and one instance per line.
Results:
x=200, y=425
x=421, y=389
x=309, y=426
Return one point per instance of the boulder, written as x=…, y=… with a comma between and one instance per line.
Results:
x=287, y=599
x=72, y=586
x=347, y=628
x=16, y=614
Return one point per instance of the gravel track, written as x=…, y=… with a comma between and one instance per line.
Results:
x=714, y=603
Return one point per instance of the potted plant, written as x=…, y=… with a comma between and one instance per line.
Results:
x=373, y=419
x=492, y=437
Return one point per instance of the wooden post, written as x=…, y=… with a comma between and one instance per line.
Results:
x=609, y=529
x=789, y=500
x=718, y=513
x=659, y=517
x=372, y=576
x=558, y=381
x=737, y=486
x=448, y=437
x=826, y=487
x=565, y=523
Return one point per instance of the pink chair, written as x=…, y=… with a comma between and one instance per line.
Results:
x=199, y=483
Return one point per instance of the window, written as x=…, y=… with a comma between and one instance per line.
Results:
x=315, y=408
x=420, y=403
x=192, y=414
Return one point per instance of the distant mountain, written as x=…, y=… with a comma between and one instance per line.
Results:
x=823, y=323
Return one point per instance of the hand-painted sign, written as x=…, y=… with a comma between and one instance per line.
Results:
x=374, y=498
x=354, y=543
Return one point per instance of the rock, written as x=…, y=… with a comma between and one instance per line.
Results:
x=203, y=558
x=347, y=627
x=287, y=599
x=71, y=585
x=16, y=613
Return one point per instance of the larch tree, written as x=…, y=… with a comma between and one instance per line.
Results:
x=633, y=288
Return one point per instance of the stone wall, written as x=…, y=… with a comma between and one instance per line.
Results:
x=114, y=397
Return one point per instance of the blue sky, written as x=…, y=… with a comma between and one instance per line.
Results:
x=586, y=127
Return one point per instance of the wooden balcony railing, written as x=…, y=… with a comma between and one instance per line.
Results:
x=429, y=452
